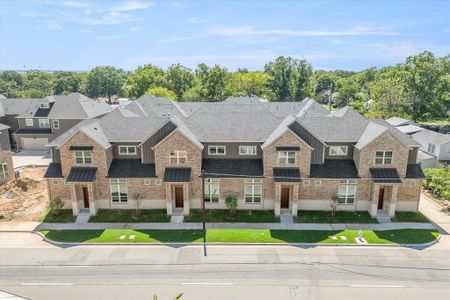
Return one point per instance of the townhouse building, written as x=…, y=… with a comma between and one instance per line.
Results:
x=272, y=156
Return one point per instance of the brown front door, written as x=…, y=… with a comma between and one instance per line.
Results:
x=179, y=199
x=85, y=197
x=380, y=198
x=284, y=197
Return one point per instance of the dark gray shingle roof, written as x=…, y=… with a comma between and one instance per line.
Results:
x=414, y=172
x=231, y=168
x=334, y=169
x=53, y=171
x=131, y=168
x=33, y=131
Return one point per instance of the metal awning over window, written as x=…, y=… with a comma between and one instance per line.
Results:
x=177, y=175
x=82, y=175
x=382, y=175
x=286, y=174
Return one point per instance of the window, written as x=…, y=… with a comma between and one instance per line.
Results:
x=55, y=124
x=127, y=150
x=44, y=105
x=253, y=190
x=305, y=182
x=211, y=190
x=383, y=157
x=55, y=182
x=146, y=181
x=317, y=183
x=29, y=122
x=448, y=150
x=247, y=150
x=44, y=123
x=286, y=157
x=347, y=191
x=83, y=157
x=216, y=150
x=431, y=148
x=178, y=157
x=158, y=181
x=338, y=150
x=4, y=171
x=119, y=190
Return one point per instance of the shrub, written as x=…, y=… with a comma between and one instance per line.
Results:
x=438, y=182
x=232, y=204
x=55, y=206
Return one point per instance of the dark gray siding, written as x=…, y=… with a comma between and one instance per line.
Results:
x=148, y=155
x=317, y=153
x=64, y=125
x=349, y=153
x=21, y=122
x=412, y=156
x=4, y=140
x=11, y=121
x=118, y=156
x=56, y=158
x=232, y=151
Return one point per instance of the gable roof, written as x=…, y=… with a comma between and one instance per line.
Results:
x=409, y=129
x=25, y=107
x=76, y=106
x=397, y=121
x=426, y=136
x=372, y=132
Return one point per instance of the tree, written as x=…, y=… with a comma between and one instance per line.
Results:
x=143, y=78
x=138, y=198
x=302, y=79
x=56, y=204
x=37, y=84
x=179, y=80
x=232, y=205
x=68, y=82
x=105, y=81
x=213, y=82
x=161, y=92
x=245, y=83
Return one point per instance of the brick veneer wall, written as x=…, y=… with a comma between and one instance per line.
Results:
x=6, y=157
x=60, y=190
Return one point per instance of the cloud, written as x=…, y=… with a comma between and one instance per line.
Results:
x=131, y=5
x=247, y=31
x=34, y=14
x=134, y=29
x=194, y=20
x=69, y=3
x=108, y=18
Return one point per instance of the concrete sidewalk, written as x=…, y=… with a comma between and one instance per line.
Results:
x=34, y=226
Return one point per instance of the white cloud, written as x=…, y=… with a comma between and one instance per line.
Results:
x=109, y=18
x=134, y=29
x=132, y=5
x=195, y=20
x=72, y=4
x=34, y=14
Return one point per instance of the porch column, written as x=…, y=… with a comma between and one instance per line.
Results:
x=393, y=202
x=73, y=195
x=169, y=198
x=186, y=199
x=374, y=202
x=295, y=199
x=92, y=202
x=277, y=199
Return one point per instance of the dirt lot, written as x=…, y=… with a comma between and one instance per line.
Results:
x=24, y=198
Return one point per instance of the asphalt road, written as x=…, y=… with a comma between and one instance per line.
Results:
x=36, y=270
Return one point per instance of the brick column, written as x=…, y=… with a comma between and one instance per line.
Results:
x=277, y=199
x=295, y=199
x=393, y=202
x=186, y=203
x=92, y=202
x=73, y=195
x=169, y=198
x=374, y=202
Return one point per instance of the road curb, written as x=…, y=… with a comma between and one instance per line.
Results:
x=424, y=245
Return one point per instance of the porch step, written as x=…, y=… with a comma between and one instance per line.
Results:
x=83, y=217
x=286, y=217
x=383, y=217
x=177, y=217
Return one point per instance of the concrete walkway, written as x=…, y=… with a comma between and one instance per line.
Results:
x=34, y=226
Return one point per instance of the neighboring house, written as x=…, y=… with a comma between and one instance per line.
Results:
x=6, y=163
x=271, y=156
x=435, y=146
x=35, y=122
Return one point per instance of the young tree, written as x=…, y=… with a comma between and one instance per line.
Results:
x=232, y=205
x=105, y=81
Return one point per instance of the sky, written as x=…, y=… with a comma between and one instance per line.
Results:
x=351, y=35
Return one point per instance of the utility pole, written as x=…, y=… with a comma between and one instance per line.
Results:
x=203, y=200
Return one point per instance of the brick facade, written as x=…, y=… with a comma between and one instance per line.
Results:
x=5, y=157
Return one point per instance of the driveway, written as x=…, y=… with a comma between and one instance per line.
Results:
x=31, y=158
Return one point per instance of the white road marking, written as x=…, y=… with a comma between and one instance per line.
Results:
x=47, y=284
x=376, y=286
x=207, y=283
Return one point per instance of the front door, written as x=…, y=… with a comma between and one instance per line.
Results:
x=380, y=198
x=179, y=199
x=86, y=197
x=284, y=197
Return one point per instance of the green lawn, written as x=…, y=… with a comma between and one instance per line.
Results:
x=411, y=236
x=244, y=216
x=128, y=216
x=408, y=216
x=66, y=216
x=317, y=216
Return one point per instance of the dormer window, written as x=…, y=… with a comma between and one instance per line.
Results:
x=216, y=150
x=338, y=150
x=431, y=148
x=83, y=157
x=44, y=123
x=29, y=122
x=286, y=158
x=383, y=157
x=44, y=105
x=127, y=150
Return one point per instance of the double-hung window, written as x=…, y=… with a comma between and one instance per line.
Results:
x=44, y=105
x=44, y=123
x=347, y=191
x=383, y=157
x=127, y=150
x=211, y=190
x=83, y=157
x=338, y=150
x=29, y=122
x=431, y=148
x=286, y=158
x=119, y=190
x=178, y=157
x=55, y=124
x=253, y=190
x=3, y=171
x=247, y=150
x=216, y=150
